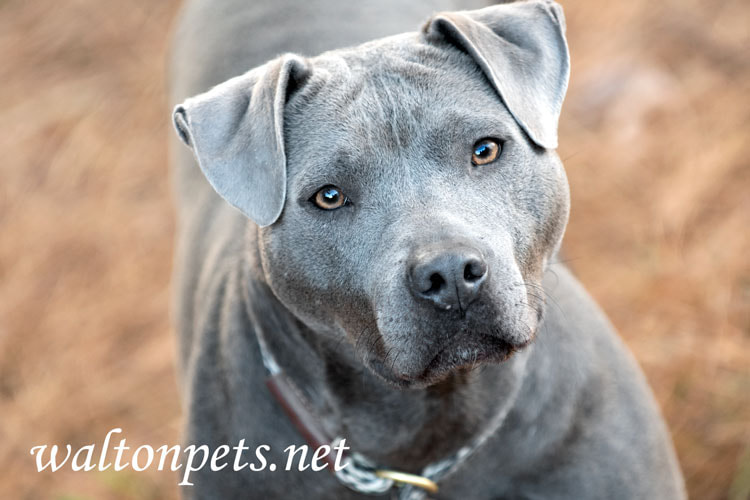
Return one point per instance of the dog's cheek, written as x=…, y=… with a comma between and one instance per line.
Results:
x=561, y=209
x=310, y=282
x=288, y=277
x=542, y=215
x=554, y=209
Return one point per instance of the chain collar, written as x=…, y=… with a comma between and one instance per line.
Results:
x=359, y=473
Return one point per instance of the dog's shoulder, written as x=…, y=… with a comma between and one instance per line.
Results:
x=596, y=426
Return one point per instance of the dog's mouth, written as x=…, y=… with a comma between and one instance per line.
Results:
x=425, y=347
x=463, y=354
x=460, y=355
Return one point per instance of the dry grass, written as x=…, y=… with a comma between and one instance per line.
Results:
x=655, y=136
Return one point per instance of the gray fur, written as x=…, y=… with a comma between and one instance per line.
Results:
x=236, y=131
x=393, y=123
x=522, y=50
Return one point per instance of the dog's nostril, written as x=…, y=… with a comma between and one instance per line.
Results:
x=473, y=271
x=436, y=283
x=449, y=278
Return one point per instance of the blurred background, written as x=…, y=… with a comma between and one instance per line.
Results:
x=654, y=134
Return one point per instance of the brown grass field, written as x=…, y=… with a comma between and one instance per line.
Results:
x=655, y=135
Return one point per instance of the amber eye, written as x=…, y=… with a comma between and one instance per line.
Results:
x=329, y=198
x=485, y=151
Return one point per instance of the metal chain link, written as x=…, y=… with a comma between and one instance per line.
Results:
x=358, y=474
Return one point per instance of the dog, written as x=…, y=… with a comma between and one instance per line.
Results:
x=373, y=227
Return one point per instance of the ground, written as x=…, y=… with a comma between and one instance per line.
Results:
x=654, y=135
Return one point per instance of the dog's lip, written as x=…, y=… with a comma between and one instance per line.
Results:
x=380, y=369
x=483, y=349
x=486, y=349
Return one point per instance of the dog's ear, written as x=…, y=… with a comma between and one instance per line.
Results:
x=521, y=48
x=236, y=132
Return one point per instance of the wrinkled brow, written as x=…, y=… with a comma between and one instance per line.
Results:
x=460, y=127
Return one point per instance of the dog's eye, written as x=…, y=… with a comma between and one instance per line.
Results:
x=329, y=198
x=485, y=151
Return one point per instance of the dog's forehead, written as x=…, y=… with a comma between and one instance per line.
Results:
x=395, y=96
x=396, y=74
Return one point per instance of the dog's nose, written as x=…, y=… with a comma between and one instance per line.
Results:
x=448, y=278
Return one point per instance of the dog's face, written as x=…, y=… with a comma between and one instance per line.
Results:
x=417, y=221
x=421, y=196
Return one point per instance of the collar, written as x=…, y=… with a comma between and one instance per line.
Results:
x=359, y=473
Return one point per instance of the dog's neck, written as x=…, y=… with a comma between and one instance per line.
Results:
x=400, y=428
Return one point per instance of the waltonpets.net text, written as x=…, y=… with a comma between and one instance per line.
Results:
x=196, y=457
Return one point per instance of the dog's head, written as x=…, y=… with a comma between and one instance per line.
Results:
x=406, y=192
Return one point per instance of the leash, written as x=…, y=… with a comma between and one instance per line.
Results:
x=358, y=472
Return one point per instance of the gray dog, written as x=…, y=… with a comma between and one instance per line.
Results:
x=378, y=236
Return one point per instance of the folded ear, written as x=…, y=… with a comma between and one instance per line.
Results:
x=522, y=50
x=236, y=132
